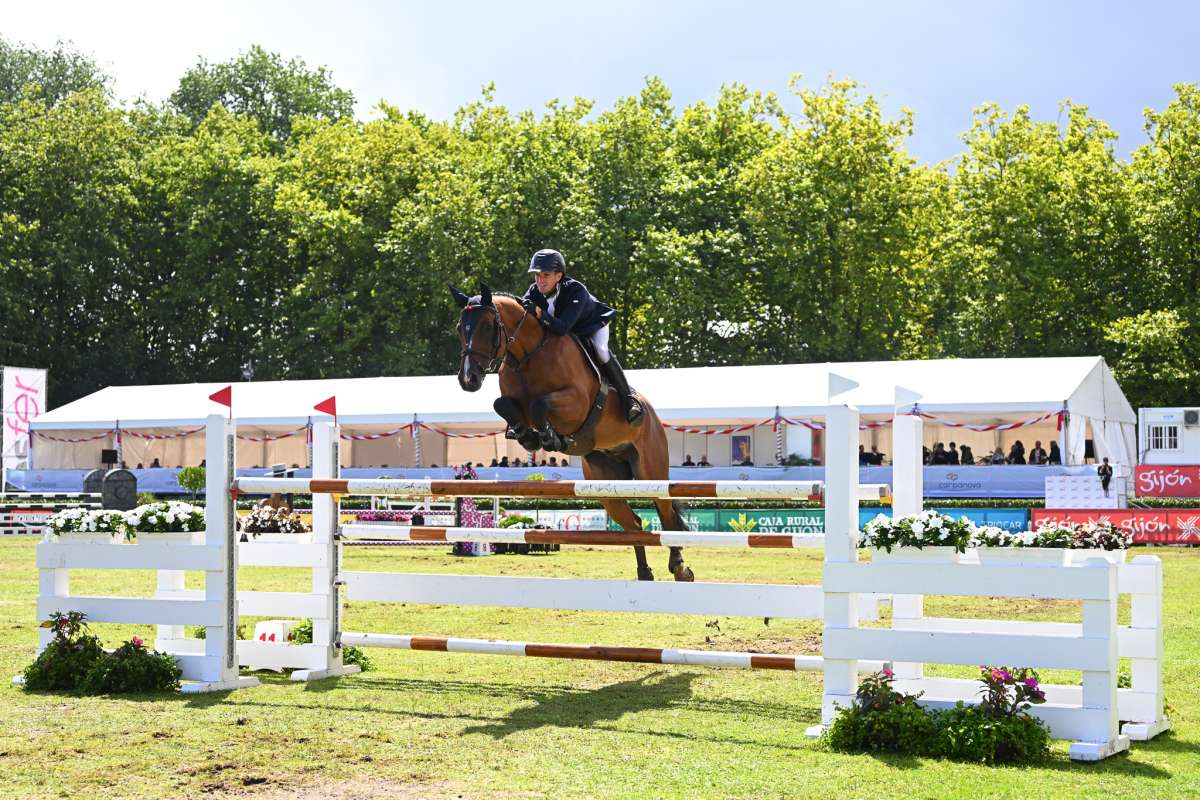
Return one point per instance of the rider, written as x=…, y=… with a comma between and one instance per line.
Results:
x=568, y=307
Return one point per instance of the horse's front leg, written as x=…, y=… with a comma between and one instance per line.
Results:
x=510, y=411
x=540, y=410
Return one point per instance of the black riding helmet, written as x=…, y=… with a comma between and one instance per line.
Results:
x=547, y=261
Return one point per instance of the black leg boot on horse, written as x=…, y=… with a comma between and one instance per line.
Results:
x=630, y=402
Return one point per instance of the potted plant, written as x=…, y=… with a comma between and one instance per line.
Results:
x=924, y=537
x=165, y=521
x=1099, y=540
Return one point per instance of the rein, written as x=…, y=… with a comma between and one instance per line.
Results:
x=499, y=331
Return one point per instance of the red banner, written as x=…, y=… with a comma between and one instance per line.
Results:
x=1148, y=526
x=1161, y=480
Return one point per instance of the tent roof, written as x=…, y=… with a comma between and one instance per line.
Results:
x=986, y=387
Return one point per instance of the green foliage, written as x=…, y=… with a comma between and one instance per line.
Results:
x=881, y=720
x=265, y=88
x=132, y=668
x=517, y=519
x=996, y=731
x=970, y=733
x=146, y=498
x=192, y=479
x=47, y=76
x=67, y=659
x=1155, y=361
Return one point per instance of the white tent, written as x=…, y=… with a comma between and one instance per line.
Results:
x=978, y=391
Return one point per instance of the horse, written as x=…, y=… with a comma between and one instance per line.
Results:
x=548, y=389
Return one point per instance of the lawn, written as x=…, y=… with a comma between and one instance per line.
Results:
x=446, y=725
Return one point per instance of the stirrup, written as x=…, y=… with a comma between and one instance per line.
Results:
x=634, y=412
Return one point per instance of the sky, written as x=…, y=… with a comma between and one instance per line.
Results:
x=940, y=59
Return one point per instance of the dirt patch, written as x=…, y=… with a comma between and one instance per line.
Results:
x=358, y=789
x=802, y=644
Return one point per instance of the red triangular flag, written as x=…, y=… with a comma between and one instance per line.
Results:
x=327, y=406
x=223, y=396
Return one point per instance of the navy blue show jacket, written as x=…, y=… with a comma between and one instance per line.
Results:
x=575, y=310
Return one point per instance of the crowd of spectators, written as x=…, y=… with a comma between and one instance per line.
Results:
x=955, y=455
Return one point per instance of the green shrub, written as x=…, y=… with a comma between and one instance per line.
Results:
x=192, y=479
x=881, y=720
x=971, y=733
x=133, y=668
x=145, y=498
x=69, y=657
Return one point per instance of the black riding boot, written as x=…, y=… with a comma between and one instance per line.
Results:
x=616, y=377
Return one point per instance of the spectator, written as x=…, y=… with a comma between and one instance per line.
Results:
x=554, y=461
x=863, y=458
x=998, y=456
x=703, y=462
x=478, y=465
x=926, y=455
x=154, y=464
x=495, y=463
x=1055, y=454
x=876, y=457
x=1016, y=454
x=940, y=457
x=139, y=466
x=1038, y=454
x=433, y=466
x=503, y=462
x=965, y=456
x=1105, y=471
x=952, y=456
x=746, y=463
x=687, y=461
x=202, y=461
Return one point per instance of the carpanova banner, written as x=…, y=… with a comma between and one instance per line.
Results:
x=1149, y=526
x=23, y=399
x=1160, y=480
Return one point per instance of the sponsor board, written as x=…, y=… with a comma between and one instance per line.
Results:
x=1148, y=526
x=1160, y=480
x=811, y=521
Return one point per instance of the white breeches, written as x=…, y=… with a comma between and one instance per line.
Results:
x=600, y=343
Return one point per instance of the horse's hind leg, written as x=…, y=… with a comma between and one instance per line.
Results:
x=628, y=519
x=672, y=520
x=602, y=466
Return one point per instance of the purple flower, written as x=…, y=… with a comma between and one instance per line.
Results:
x=1031, y=682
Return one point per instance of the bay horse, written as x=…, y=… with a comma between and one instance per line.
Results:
x=548, y=389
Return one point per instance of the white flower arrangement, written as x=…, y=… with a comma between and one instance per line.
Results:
x=165, y=516
x=87, y=520
x=992, y=536
x=926, y=529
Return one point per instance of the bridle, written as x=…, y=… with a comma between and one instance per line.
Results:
x=496, y=359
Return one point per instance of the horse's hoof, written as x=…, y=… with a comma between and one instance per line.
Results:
x=684, y=574
x=645, y=574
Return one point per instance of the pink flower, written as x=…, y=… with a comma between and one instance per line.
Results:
x=137, y=640
x=887, y=673
x=1005, y=676
x=1031, y=682
x=997, y=675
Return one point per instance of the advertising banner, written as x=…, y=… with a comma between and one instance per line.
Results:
x=1157, y=480
x=1148, y=526
x=23, y=399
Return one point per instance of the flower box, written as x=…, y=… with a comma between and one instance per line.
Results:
x=1077, y=557
x=916, y=555
x=1023, y=556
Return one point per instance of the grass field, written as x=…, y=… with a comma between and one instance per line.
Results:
x=436, y=725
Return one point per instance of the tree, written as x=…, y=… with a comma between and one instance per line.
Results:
x=1155, y=365
x=27, y=73
x=263, y=86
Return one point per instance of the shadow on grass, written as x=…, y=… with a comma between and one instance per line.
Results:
x=583, y=709
x=807, y=714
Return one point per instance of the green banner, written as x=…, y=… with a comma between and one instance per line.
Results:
x=769, y=520
x=773, y=520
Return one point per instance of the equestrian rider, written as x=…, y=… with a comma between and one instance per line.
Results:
x=568, y=307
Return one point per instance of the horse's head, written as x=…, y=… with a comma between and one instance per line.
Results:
x=480, y=334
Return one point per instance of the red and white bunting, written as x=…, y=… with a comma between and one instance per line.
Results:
x=1004, y=426
x=367, y=437
x=452, y=435
x=161, y=436
x=269, y=438
x=64, y=440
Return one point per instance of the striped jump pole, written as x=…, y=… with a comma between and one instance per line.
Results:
x=637, y=655
x=649, y=490
x=402, y=533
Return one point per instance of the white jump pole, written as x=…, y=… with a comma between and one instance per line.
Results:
x=908, y=497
